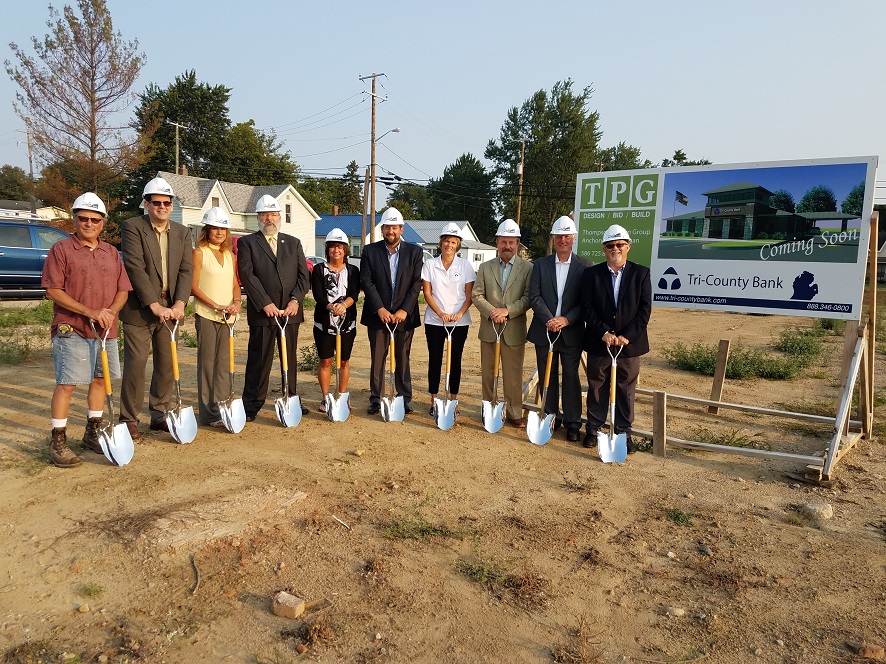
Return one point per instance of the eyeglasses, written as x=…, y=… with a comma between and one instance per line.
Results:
x=615, y=245
x=161, y=203
x=86, y=220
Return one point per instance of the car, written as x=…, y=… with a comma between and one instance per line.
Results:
x=314, y=260
x=25, y=240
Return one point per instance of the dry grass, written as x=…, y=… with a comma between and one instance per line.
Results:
x=581, y=649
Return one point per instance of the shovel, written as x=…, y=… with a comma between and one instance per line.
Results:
x=180, y=421
x=612, y=446
x=444, y=411
x=392, y=408
x=288, y=407
x=233, y=415
x=115, y=441
x=492, y=414
x=540, y=429
x=338, y=408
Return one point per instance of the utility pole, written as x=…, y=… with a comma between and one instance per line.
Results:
x=177, y=126
x=30, y=171
x=365, y=199
x=372, y=157
x=520, y=187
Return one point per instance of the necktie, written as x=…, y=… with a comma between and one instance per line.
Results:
x=272, y=240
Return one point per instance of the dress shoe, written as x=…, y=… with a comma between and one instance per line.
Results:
x=305, y=411
x=630, y=444
x=572, y=435
x=408, y=409
x=374, y=409
x=160, y=426
x=517, y=422
x=558, y=422
x=250, y=418
x=132, y=427
x=590, y=439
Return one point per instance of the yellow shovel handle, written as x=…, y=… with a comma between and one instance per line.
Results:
x=106, y=373
x=391, y=353
x=548, y=368
x=612, y=383
x=173, y=348
x=283, y=356
x=448, y=353
x=497, y=358
x=231, y=353
x=337, y=352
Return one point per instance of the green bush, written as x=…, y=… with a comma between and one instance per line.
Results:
x=802, y=344
x=309, y=360
x=743, y=362
x=830, y=326
x=15, y=350
x=39, y=315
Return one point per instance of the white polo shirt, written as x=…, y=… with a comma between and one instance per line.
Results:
x=448, y=288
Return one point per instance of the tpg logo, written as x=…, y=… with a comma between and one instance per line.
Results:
x=621, y=191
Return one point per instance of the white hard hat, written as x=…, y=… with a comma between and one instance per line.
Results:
x=391, y=217
x=158, y=186
x=215, y=216
x=564, y=226
x=267, y=203
x=451, y=229
x=616, y=232
x=337, y=235
x=89, y=201
x=508, y=228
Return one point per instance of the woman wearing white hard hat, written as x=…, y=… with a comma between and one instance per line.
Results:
x=335, y=285
x=216, y=293
x=447, y=283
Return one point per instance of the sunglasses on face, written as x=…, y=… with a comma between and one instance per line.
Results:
x=86, y=220
x=616, y=245
x=161, y=203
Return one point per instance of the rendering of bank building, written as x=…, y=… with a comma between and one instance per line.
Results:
x=741, y=211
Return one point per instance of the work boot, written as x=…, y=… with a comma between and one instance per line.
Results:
x=90, y=436
x=59, y=452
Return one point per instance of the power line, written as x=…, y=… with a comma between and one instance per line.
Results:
x=313, y=115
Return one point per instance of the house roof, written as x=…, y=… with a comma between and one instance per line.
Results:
x=351, y=224
x=737, y=186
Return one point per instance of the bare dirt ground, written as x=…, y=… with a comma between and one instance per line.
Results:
x=433, y=546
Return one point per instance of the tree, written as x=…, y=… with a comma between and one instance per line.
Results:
x=680, y=159
x=854, y=200
x=351, y=190
x=15, y=185
x=254, y=157
x=561, y=135
x=320, y=193
x=465, y=193
x=71, y=89
x=818, y=199
x=782, y=200
x=414, y=201
x=622, y=157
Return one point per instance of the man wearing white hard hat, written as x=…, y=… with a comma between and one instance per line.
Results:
x=85, y=279
x=447, y=283
x=157, y=254
x=501, y=294
x=616, y=306
x=555, y=298
x=274, y=273
x=390, y=275
x=335, y=285
x=216, y=294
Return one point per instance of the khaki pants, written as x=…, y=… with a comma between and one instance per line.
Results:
x=510, y=381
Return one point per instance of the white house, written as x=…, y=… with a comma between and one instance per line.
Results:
x=194, y=196
x=429, y=233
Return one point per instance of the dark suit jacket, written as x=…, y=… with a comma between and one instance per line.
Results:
x=268, y=278
x=375, y=278
x=629, y=319
x=141, y=258
x=543, y=300
x=318, y=287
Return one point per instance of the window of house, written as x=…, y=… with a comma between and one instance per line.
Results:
x=288, y=213
x=478, y=258
x=355, y=250
x=215, y=201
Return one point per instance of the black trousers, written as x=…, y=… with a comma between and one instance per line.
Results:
x=626, y=374
x=379, y=340
x=568, y=358
x=260, y=358
x=436, y=336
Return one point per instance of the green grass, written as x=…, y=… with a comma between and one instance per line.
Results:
x=734, y=438
x=743, y=362
x=417, y=528
x=15, y=350
x=187, y=339
x=309, y=359
x=804, y=344
x=487, y=573
x=680, y=518
x=41, y=314
x=90, y=590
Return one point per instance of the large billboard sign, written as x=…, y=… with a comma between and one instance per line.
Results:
x=768, y=237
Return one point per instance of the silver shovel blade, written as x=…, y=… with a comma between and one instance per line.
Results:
x=338, y=409
x=393, y=410
x=289, y=411
x=182, y=424
x=612, y=448
x=539, y=429
x=120, y=448
x=444, y=413
x=233, y=415
x=493, y=419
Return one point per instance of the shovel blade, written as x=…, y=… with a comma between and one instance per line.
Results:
x=288, y=411
x=393, y=410
x=117, y=444
x=233, y=415
x=182, y=424
x=338, y=409
x=539, y=429
x=444, y=413
x=612, y=448
x=493, y=419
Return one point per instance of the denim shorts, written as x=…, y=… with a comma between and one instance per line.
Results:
x=78, y=361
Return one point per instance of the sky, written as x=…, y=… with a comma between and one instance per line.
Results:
x=738, y=82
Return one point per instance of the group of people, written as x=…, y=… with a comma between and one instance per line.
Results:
x=575, y=308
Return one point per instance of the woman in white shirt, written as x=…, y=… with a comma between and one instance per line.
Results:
x=447, y=282
x=216, y=292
